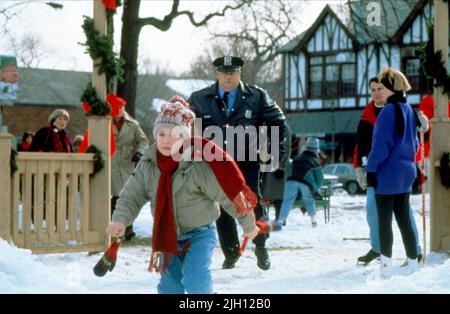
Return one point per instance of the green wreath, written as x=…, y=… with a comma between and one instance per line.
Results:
x=100, y=47
x=93, y=104
x=13, y=162
x=99, y=161
x=432, y=64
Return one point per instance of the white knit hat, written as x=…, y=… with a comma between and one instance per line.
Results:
x=175, y=113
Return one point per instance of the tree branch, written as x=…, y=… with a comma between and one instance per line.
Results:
x=165, y=23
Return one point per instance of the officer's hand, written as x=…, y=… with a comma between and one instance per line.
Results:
x=136, y=157
x=279, y=174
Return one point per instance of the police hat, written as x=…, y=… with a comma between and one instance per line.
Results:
x=228, y=64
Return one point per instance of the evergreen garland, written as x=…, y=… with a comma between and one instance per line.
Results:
x=99, y=161
x=98, y=107
x=101, y=47
x=13, y=162
x=444, y=169
x=432, y=64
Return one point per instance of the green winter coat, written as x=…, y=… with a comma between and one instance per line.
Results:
x=196, y=195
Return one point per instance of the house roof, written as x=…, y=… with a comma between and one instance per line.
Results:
x=393, y=15
x=58, y=88
x=300, y=41
x=395, y=18
x=324, y=122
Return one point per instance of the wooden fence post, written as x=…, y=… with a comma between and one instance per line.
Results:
x=440, y=124
x=100, y=136
x=5, y=186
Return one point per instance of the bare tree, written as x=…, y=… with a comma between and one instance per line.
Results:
x=131, y=28
x=257, y=32
x=9, y=11
x=29, y=50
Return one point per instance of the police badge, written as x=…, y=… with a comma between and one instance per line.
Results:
x=248, y=114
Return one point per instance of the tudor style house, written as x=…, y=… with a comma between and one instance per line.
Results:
x=326, y=69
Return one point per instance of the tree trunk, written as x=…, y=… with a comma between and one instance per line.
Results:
x=129, y=52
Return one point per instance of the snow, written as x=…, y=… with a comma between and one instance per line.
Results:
x=304, y=260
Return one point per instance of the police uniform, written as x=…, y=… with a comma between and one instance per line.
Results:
x=252, y=107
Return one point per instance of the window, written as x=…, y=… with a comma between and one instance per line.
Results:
x=316, y=81
x=412, y=72
x=348, y=80
x=332, y=76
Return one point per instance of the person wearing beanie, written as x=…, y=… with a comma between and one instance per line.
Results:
x=130, y=144
x=185, y=194
x=306, y=177
x=391, y=170
x=54, y=138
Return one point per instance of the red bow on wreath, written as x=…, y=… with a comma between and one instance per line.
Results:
x=115, y=102
x=110, y=4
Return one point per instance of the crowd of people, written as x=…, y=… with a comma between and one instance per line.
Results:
x=193, y=201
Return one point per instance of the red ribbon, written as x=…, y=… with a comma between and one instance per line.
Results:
x=115, y=102
x=110, y=4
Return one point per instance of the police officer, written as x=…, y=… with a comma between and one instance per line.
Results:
x=230, y=103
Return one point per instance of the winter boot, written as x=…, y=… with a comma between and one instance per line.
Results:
x=313, y=221
x=411, y=267
x=230, y=262
x=386, y=270
x=277, y=225
x=262, y=257
x=419, y=259
x=370, y=256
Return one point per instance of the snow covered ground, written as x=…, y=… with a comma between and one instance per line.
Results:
x=304, y=260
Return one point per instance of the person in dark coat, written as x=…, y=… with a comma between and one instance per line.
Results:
x=362, y=150
x=227, y=105
x=54, y=138
x=391, y=170
x=272, y=183
x=306, y=177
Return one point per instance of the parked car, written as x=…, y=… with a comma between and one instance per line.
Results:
x=346, y=176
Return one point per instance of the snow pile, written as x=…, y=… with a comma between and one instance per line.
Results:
x=22, y=272
x=304, y=260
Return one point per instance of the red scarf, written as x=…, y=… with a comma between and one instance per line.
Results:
x=119, y=122
x=25, y=146
x=230, y=178
x=60, y=146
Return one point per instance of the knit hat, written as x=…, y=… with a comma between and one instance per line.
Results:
x=313, y=145
x=175, y=113
x=58, y=113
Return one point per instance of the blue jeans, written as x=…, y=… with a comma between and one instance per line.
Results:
x=190, y=272
x=372, y=221
x=291, y=190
